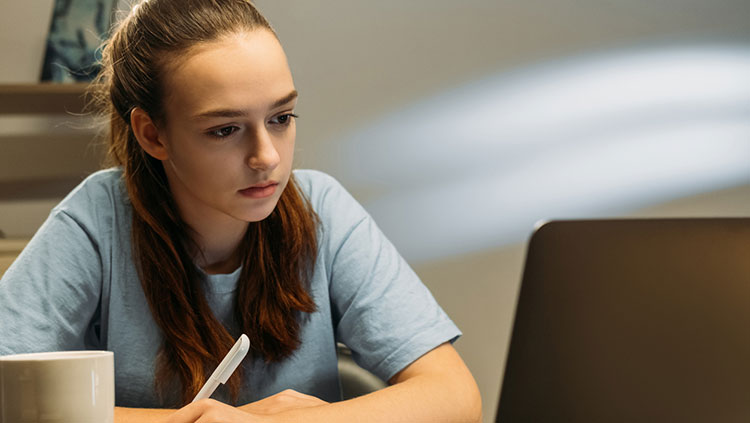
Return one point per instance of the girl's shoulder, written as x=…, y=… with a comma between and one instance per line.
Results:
x=102, y=192
x=317, y=186
x=310, y=180
x=320, y=188
x=327, y=196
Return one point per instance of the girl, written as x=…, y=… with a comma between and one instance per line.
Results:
x=202, y=232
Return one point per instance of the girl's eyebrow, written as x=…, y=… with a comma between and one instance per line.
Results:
x=284, y=100
x=235, y=113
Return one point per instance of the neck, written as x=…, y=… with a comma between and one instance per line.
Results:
x=219, y=245
x=218, y=237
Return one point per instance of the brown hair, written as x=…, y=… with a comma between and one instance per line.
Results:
x=278, y=252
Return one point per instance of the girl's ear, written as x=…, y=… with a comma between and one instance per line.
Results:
x=147, y=134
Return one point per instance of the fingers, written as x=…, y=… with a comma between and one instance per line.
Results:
x=283, y=401
x=212, y=411
x=189, y=413
x=208, y=411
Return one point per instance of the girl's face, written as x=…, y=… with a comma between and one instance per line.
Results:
x=229, y=131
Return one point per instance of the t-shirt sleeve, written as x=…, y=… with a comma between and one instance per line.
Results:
x=49, y=295
x=382, y=311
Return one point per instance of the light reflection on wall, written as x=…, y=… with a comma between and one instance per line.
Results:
x=599, y=135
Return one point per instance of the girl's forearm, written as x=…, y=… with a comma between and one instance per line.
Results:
x=422, y=399
x=436, y=388
x=141, y=415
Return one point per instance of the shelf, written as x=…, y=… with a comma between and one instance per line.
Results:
x=31, y=157
x=39, y=189
x=12, y=246
x=42, y=98
x=9, y=250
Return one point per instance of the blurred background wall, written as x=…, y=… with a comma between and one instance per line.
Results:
x=460, y=124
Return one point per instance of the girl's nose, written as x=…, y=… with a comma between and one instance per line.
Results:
x=262, y=154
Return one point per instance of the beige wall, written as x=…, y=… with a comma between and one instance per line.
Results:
x=354, y=61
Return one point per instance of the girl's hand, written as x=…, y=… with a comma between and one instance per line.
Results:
x=211, y=411
x=283, y=401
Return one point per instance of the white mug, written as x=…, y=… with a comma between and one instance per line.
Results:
x=57, y=387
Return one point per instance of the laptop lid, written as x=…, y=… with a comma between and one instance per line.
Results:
x=632, y=321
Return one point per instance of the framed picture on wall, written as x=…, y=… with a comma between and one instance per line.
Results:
x=77, y=29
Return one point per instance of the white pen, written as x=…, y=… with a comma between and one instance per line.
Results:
x=225, y=368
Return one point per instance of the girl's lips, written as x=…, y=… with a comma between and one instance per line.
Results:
x=260, y=191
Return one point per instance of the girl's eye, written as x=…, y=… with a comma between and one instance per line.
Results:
x=283, y=119
x=223, y=132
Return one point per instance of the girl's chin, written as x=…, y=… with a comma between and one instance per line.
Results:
x=257, y=215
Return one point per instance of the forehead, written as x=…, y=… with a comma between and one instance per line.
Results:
x=244, y=70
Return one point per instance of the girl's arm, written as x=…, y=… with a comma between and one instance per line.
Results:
x=437, y=387
x=141, y=415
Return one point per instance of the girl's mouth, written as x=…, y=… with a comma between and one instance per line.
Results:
x=262, y=190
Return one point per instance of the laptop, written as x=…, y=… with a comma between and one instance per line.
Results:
x=640, y=320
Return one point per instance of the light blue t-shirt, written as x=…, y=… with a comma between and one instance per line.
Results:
x=75, y=286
